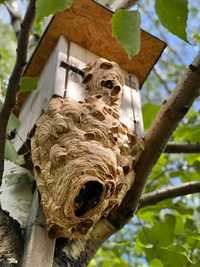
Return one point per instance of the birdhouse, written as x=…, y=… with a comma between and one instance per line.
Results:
x=87, y=113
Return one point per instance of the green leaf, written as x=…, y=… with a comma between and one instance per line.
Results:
x=180, y=224
x=2, y=1
x=156, y=263
x=13, y=122
x=10, y=152
x=44, y=8
x=20, y=160
x=173, y=256
x=173, y=15
x=161, y=233
x=196, y=37
x=17, y=178
x=28, y=84
x=126, y=28
x=186, y=133
x=196, y=237
x=149, y=112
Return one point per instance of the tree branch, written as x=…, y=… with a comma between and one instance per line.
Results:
x=123, y=4
x=14, y=81
x=15, y=17
x=162, y=81
x=182, y=148
x=167, y=193
x=166, y=121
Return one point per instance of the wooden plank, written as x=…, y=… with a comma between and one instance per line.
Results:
x=79, y=57
x=136, y=105
x=137, y=112
x=126, y=111
x=51, y=82
x=39, y=247
x=16, y=192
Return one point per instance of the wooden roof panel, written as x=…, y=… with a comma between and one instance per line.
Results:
x=89, y=25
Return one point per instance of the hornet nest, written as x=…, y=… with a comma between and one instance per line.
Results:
x=83, y=156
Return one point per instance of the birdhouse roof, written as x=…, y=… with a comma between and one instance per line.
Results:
x=88, y=24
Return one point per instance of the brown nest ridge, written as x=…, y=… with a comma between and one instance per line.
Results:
x=83, y=155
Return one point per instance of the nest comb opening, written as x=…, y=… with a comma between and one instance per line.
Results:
x=88, y=198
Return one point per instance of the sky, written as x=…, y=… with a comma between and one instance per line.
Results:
x=186, y=51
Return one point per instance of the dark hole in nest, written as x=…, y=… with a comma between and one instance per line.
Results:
x=37, y=169
x=88, y=197
x=126, y=170
x=108, y=84
x=98, y=96
x=116, y=90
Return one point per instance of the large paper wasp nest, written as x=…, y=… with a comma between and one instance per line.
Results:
x=83, y=156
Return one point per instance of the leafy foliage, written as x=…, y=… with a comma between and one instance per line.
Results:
x=10, y=152
x=45, y=8
x=173, y=15
x=126, y=28
x=156, y=263
x=28, y=84
x=149, y=112
x=7, y=54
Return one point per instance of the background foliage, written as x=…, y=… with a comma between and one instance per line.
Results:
x=167, y=234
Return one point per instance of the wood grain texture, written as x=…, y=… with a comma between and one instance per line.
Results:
x=93, y=31
x=51, y=82
x=39, y=247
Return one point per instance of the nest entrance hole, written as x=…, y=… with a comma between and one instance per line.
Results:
x=89, y=197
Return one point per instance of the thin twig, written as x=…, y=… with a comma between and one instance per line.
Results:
x=182, y=148
x=123, y=4
x=164, y=83
x=14, y=81
x=168, y=193
x=15, y=18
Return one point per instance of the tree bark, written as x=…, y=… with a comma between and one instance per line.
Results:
x=11, y=243
x=169, y=192
x=79, y=253
x=15, y=17
x=182, y=148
